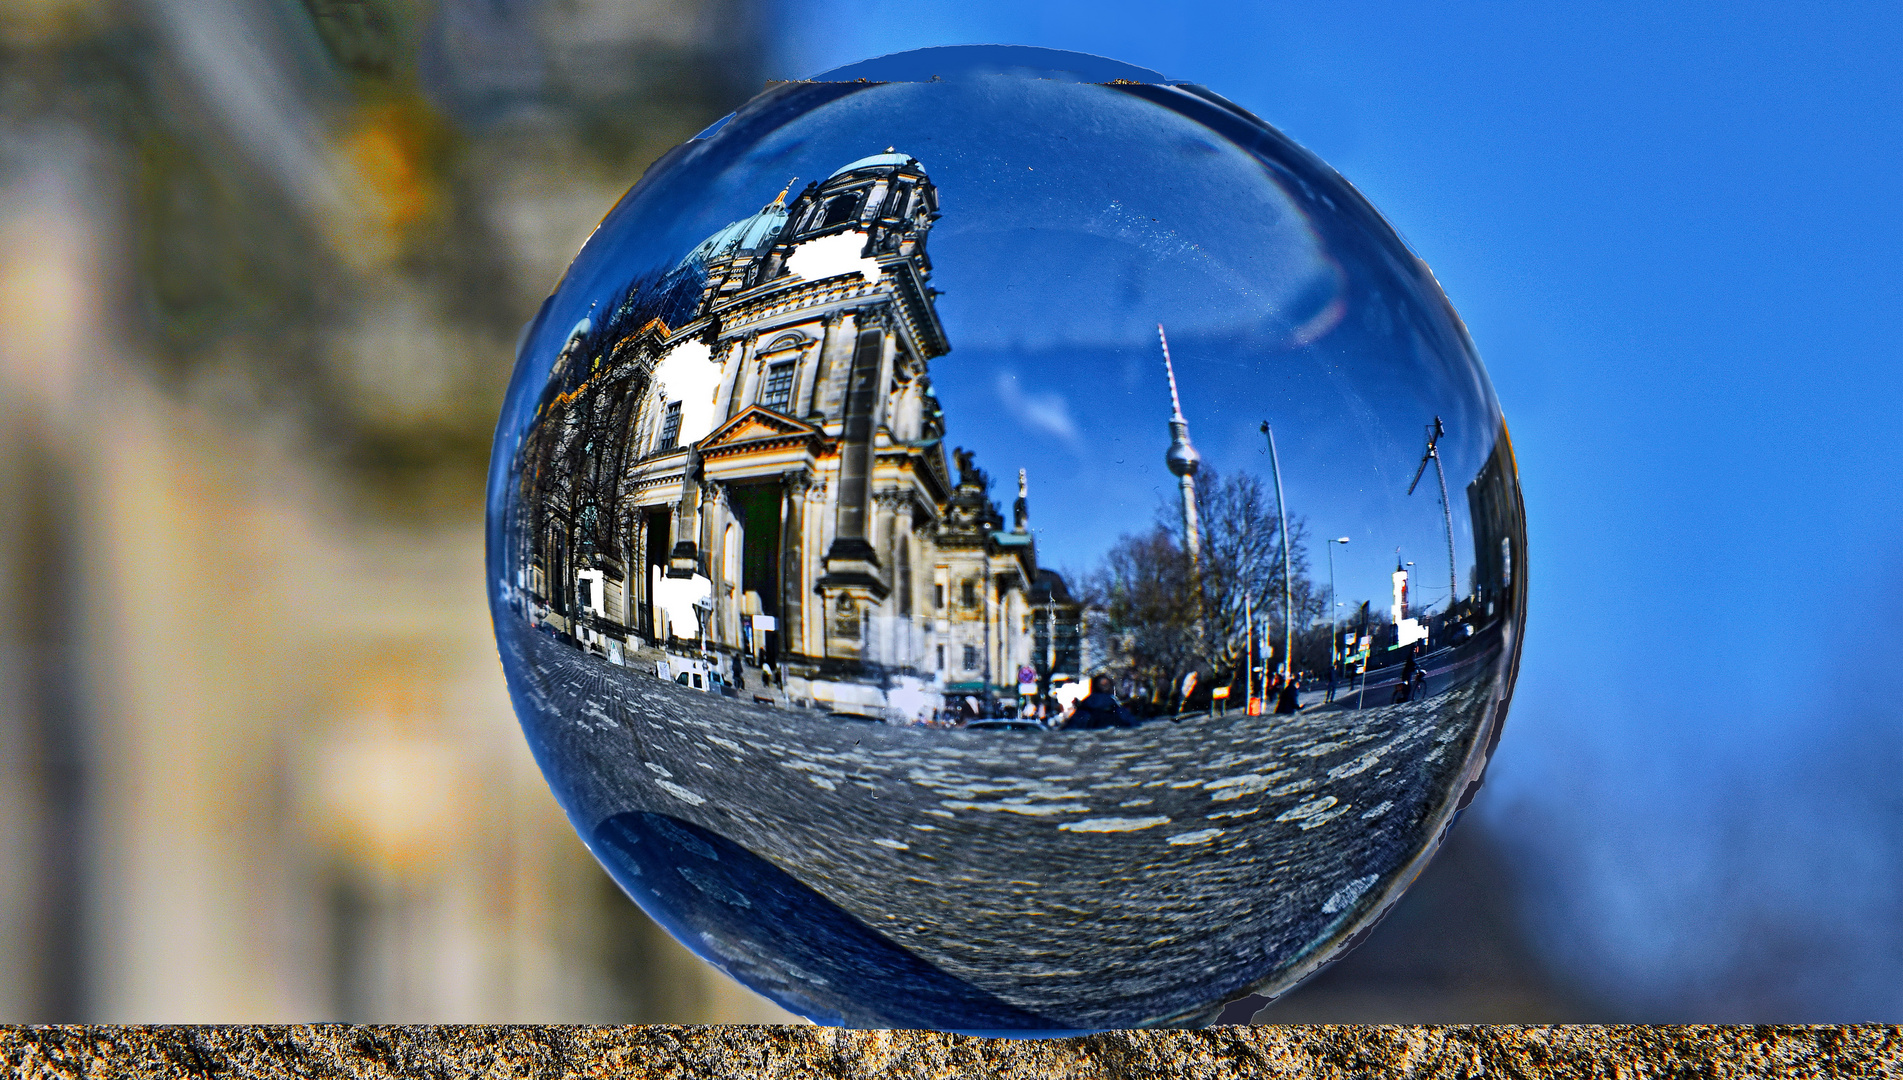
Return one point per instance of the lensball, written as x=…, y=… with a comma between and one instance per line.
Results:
x=997, y=540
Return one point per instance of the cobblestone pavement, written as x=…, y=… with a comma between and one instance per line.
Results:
x=1099, y=877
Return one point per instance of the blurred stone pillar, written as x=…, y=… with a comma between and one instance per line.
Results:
x=48, y=293
x=206, y=608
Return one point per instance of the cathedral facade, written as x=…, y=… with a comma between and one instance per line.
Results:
x=765, y=472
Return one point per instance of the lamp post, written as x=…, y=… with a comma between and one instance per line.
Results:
x=1334, y=630
x=1248, y=656
x=1288, y=585
x=985, y=597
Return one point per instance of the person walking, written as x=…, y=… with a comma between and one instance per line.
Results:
x=1100, y=709
x=1286, y=701
x=1404, y=690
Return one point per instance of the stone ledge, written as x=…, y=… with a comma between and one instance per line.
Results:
x=705, y=1053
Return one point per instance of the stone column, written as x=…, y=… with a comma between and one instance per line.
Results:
x=684, y=560
x=793, y=583
x=638, y=584
x=851, y=562
x=737, y=391
x=834, y=361
x=713, y=553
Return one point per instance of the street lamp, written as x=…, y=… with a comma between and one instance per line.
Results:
x=1334, y=630
x=986, y=610
x=1288, y=585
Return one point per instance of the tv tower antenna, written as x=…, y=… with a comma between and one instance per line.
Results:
x=1434, y=432
x=1183, y=460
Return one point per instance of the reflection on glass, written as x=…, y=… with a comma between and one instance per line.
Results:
x=926, y=635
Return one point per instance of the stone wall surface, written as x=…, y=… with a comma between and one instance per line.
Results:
x=712, y=1053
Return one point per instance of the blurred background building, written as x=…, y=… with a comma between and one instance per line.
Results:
x=262, y=267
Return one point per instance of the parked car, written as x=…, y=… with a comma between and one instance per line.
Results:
x=1009, y=723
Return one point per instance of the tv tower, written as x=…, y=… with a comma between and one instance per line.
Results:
x=1183, y=460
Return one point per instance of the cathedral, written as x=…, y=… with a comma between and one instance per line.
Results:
x=759, y=467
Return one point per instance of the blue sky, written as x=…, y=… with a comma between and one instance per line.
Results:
x=1676, y=234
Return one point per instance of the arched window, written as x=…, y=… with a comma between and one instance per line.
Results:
x=776, y=387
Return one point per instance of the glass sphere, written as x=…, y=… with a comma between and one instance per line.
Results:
x=997, y=540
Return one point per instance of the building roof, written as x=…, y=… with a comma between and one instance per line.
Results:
x=874, y=162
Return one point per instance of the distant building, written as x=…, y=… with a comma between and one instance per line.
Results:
x=778, y=450
x=1499, y=533
x=1059, y=643
x=1407, y=631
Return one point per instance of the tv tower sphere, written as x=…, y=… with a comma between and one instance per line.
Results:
x=894, y=753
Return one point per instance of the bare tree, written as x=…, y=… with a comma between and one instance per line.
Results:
x=1144, y=588
x=1166, y=621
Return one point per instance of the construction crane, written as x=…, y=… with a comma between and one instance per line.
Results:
x=1434, y=432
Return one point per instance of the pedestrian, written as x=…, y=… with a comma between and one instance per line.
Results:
x=739, y=673
x=1287, y=702
x=1404, y=690
x=1099, y=710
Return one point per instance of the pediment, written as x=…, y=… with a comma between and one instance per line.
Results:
x=758, y=424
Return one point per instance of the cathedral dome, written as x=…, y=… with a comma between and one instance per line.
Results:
x=746, y=236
